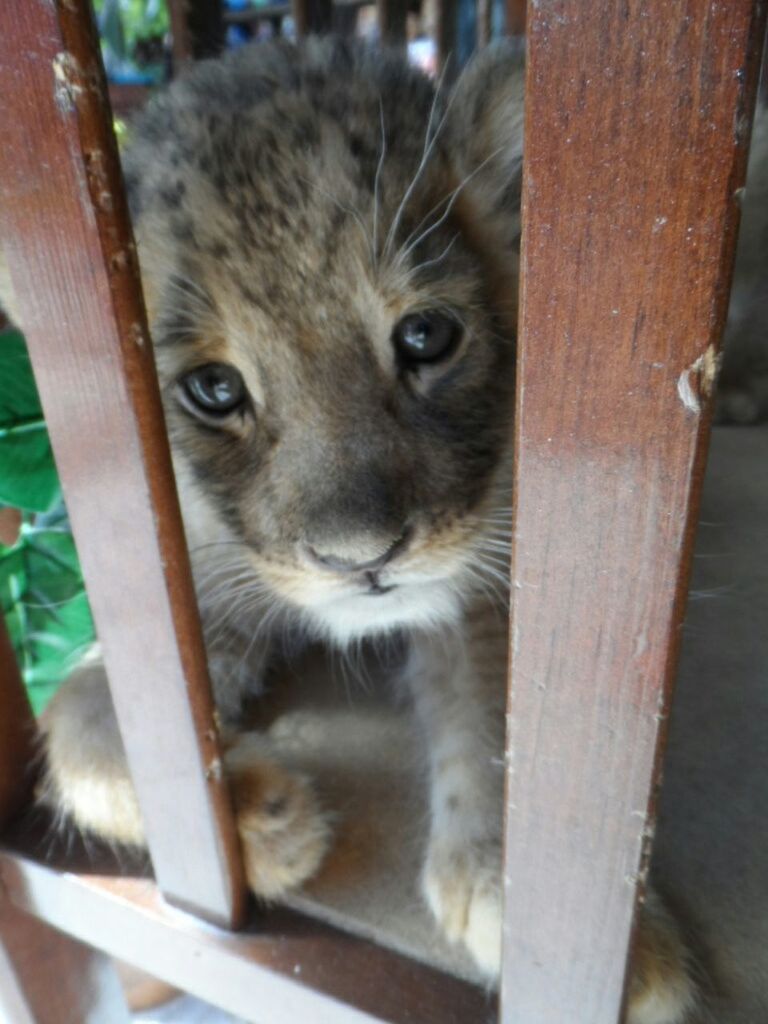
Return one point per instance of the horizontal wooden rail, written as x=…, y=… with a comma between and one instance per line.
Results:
x=49, y=978
x=283, y=968
x=637, y=128
x=67, y=237
x=516, y=15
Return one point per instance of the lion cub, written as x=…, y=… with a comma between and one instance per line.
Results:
x=328, y=247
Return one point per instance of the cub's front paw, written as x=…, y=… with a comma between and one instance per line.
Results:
x=283, y=831
x=462, y=885
x=663, y=987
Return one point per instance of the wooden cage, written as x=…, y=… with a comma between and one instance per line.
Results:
x=611, y=439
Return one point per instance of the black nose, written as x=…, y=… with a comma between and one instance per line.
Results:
x=339, y=564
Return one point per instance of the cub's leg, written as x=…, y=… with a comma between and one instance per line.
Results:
x=282, y=829
x=457, y=680
x=662, y=986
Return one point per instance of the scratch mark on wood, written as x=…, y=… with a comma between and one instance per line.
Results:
x=697, y=381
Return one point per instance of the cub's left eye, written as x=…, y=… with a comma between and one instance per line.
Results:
x=426, y=337
x=215, y=390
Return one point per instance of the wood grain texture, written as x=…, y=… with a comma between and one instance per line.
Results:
x=48, y=978
x=637, y=127
x=17, y=734
x=283, y=968
x=68, y=241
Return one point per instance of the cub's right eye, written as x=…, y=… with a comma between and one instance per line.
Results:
x=215, y=390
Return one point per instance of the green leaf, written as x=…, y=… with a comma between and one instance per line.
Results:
x=28, y=478
x=41, y=587
x=45, y=605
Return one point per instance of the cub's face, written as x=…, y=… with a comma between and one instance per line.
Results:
x=332, y=304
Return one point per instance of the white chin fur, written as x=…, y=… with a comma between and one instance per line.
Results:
x=354, y=616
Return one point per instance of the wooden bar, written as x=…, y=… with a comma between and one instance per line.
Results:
x=392, y=17
x=283, y=968
x=48, y=978
x=637, y=128
x=484, y=9
x=69, y=244
x=181, y=40
x=17, y=734
x=206, y=28
x=516, y=11
x=445, y=35
x=312, y=16
x=126, y=99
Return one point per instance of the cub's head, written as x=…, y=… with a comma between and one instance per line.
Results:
x=327, y=243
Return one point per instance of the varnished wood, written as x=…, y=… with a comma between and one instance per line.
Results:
x=181, y=40
x=637, y=128
x=48, y=978
x=282, y=968
x=125, y=99
x=69, y=244
x=516, y=11
x=392, y=17
x=17, y=734
x=10, y=521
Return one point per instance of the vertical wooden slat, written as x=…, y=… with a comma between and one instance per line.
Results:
x=197, y=30
x=68, y=241
x=181, y=40
x=516, y=11
x=484, y=17
x=48, y=978
x=205, y=22
x=312, y=16
x=392, y=17
x=17, y=733
x=637, y=126
x=446, y=33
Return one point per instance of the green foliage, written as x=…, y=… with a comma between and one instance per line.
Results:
x=41, y=588
x=132, y=38
x=28, y=477
x=139, y=19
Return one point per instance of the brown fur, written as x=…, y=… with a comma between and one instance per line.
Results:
x=291, y=206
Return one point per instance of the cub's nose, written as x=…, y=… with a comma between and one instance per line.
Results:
x=338, y=562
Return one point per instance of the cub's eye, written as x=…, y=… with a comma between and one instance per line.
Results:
x=215, y=389
x=426, y=337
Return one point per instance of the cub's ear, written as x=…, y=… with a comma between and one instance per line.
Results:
x=486, y=131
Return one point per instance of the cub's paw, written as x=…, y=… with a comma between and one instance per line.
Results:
x=662, y=986
x=283, y=831
x=462, y=885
